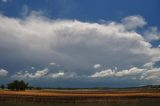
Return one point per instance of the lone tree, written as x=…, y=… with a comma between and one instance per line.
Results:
x=18, y=85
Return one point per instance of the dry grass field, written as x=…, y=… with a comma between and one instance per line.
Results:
x=80, y=98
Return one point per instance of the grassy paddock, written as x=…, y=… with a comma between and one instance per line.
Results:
x=80, y=98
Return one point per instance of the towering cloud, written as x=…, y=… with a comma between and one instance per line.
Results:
x=77, y=46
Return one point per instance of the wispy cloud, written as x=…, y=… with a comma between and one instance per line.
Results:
x=5, y=1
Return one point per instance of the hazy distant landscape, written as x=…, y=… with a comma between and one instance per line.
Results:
x=35, y=96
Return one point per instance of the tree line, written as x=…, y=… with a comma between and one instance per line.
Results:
x=18, y=86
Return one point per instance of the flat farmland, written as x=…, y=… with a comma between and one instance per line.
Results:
x=131, y=97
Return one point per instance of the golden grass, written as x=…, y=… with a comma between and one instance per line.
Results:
x=72, y=93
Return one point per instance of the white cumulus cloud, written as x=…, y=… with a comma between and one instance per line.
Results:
x=115, y=73
x=132, y=22
x=131, y=71
x=97, y=66
x=152, y=74
x=26, y=74
x=56, y=75
x=104, y=73
x=52, y=64
x=3, y=72
x=152, y=34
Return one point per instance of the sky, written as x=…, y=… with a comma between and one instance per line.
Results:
x=80, y=43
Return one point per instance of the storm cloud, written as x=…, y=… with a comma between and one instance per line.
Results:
x=81, y=49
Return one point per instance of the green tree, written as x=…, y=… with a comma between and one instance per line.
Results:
x=17, y=85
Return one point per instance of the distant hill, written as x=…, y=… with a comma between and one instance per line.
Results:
x=109, y=88
x=151, y=86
